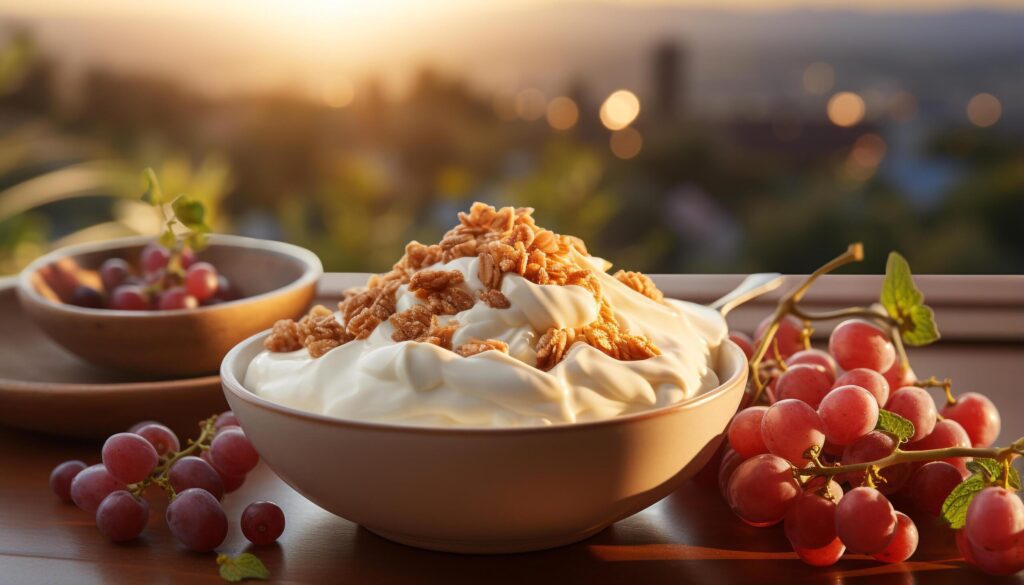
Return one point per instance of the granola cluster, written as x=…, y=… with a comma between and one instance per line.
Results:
x=504, y=241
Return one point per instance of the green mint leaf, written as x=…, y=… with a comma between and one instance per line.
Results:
x=904, y=302
x=954, y=509
x=896, y=425
x=991, y=469
x=153, y=194
x=243, y=566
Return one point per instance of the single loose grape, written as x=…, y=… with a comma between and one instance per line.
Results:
x=869, y=380
x=915, y=405
x=129, y=457
x=194, y=472
x=995, y=519
x=745, y=432
x=859, y=344
x=814, y=357
x=161, y=437
x=91, y=485
x=262, y=522
x=977, y=415
x=903, y=543
x=931, y=485
x=806, y=382
x=762, y=488
x=232, y=452
x=122, y=516
x=791, y=427
x=847, y=414
x=865, y=520
x=790, y=335
x=62, y=476
x=197, y=519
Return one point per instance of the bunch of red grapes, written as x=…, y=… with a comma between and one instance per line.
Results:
x=150, y=454
x=823, y=411
x=158, y=284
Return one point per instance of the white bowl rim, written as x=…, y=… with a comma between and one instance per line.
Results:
x=312, y=271
x=231, y=384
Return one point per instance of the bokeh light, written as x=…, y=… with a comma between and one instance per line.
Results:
x=626, y=143
x=819, y=78
x=339, y=93
x=846, y=109
x=902, y=106
x=984, y=110
x=563, y=113
x=531, y=104
x=620, y=109
x=868, y=150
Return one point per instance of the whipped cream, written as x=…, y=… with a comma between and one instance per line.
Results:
x=378, y=379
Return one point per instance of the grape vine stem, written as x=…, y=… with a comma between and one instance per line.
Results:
x=1003, y=454
x=159, y=475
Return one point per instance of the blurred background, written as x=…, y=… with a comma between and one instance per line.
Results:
x=683, y=136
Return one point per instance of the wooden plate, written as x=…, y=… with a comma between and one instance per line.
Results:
x=45, y=388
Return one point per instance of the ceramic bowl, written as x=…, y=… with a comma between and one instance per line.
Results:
x=486, y=490
x=277, y=280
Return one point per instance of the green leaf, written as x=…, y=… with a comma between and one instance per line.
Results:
x=954, y=509
x=904, y=302
x=153, y=194
x=992, y=469
x=243, y=566
x=896, y=425
x=191, y=213
x=167, y=238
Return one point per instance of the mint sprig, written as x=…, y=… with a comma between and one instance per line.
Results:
x=904, y=302
x=240, y=567
x=895, y=425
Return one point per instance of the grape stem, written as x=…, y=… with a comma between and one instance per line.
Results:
x=946, y=384
x=1003, y=454
x=159, y=475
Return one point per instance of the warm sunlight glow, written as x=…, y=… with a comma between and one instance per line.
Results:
x=984, y=110
x=619, y=110
x=846, y=109
x=339, y=93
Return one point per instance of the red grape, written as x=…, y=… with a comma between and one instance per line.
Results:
x=789, y=428
x=230, y=482
x=162, y=438
x=814, y=357
x=899, y=376
x=154, y=257
x=847, y=414
x=947, y=433
x=226, y=418
x=824, y=556
x=88, y=297
x=226, y=291
x=964, y=546
x=790, y=335
x=232, y=452
x=91, y=485
x=177, y=298
x=998, y=562
x=869, y=380
x=811, y=518
x=745, y=432
x=977, y=415
x=201, y=280
x=122, y=516
x=187, y=258
x=129, y=457
x=903, y=543
x=915, y=405
x=62, y=476
x=932, y=484
x=871, y=447
x=135, y=427
x=129, y=297
x=262, y=522
x=113, y=272
x=995, y=520
x=193, y=472
x=859, y=344
x=761, y=489
x=197, y=519
x=804, y=382
x=865, y=520
x=730, y=461
x=744, y=341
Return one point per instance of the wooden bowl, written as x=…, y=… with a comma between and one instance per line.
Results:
x=277, y=280
x=476, y=490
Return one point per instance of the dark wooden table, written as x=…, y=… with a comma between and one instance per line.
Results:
x=688, y=537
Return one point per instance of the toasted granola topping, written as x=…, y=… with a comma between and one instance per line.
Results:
x=505, y=240
x=475, y=347
x=641, y=283
x=495, y=299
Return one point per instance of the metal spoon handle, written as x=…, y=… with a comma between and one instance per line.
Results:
x=752, y=287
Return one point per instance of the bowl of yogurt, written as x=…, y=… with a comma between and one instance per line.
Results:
x=500, y=391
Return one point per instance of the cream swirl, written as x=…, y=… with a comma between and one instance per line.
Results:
x=378, y=379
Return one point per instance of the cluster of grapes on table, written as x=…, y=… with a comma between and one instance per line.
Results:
x=151, y=454
x=165, y=280
x=823, y=410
